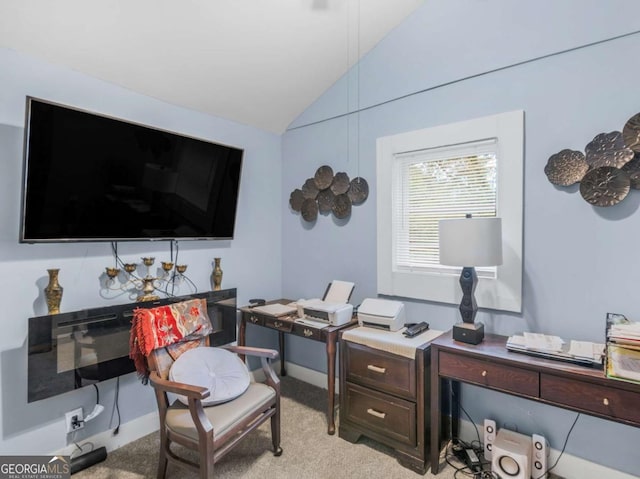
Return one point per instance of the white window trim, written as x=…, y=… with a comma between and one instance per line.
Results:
x=503, y=293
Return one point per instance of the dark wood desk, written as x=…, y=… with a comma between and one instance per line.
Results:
x=285, y=325
x=489, y=365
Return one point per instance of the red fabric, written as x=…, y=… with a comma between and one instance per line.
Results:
x=153, y=328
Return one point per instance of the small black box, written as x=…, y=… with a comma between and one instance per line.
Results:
x=471, y=333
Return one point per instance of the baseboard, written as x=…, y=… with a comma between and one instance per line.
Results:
x=310, y=376
x=128, y=432
x=569, y=466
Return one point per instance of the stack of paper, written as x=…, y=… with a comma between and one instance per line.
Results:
x=554, y=347
x=623, y=350
x=277, y=309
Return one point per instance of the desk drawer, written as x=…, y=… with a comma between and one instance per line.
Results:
x=381, y=370
x=601, y=400
x=497, y=376
x=254, y=319
x=307, y=332
x=278, y=324
x=388, y=416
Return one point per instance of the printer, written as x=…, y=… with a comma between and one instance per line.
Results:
x=382, y=314
x=333, y=309
x=334, y=314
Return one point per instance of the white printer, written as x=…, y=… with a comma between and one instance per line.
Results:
x=334, y=314
x=382, y=314
x=333, y=309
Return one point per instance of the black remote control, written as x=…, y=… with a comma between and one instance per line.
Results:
x=416, y=329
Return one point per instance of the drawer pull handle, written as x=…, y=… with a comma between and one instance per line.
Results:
x=484, y=374
x=376, y=369
x=375, y=413
x=277, y=324
x=307, y=332
x=605, y=401
x=254, y=319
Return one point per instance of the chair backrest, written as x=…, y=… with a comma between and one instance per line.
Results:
x=161, y=359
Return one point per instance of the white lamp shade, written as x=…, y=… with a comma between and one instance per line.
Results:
x=471, y=242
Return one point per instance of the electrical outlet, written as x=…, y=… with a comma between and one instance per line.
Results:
x=74, y=420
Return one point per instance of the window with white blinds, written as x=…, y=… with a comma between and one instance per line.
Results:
x=447, y=171
x=440, y=183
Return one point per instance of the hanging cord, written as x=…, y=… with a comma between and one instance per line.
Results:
x=566, y=440
x=116, y=407
x=456, y=399
x=174, y=274
x=119, y=262
x=358, y=98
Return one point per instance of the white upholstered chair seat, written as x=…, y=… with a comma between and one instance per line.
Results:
x=224, y=416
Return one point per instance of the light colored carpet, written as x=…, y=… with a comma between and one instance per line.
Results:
x=309, y=452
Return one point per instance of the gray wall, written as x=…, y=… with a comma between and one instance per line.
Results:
x=251, y=262
x=452, y=61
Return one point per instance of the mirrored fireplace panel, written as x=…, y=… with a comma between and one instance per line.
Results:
x=71, y=350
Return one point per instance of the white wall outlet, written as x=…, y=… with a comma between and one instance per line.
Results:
x=74, y=420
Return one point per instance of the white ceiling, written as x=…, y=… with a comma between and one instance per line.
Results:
x=257, y=62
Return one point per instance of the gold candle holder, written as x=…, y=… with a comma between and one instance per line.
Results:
x=148, y=261
x=167, y=266
x=112, y=272
x=181, y=268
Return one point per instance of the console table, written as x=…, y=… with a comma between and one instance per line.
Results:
x=288, y=325
x=489, y=365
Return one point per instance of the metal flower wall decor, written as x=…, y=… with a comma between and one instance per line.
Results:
x=606, y=171
x=328, y=193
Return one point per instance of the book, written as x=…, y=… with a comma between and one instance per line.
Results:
x=622, y=358
x=623, y=363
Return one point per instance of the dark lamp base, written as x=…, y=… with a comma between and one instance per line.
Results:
x=471, y=333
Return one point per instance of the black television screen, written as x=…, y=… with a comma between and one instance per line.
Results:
x=88, y=177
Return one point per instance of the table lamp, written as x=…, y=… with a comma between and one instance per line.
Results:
x=470, y=242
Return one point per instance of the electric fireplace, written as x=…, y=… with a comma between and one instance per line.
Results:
x=71, y=350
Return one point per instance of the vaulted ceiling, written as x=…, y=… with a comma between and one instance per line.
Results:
x=256, y=62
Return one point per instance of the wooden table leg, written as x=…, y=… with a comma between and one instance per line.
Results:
x=283, y=371
x=242, y=334
x=331, y=380
x=455, y=409
x=436, y=423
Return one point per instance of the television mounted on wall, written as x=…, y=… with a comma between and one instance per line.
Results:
x=89, y=177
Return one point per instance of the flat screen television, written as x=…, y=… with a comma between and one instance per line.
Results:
x=89, y=177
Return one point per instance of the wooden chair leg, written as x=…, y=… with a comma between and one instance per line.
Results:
x=275, y=433
x=206, y=458
x=162, y=459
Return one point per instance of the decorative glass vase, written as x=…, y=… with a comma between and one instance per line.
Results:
x=216, y=276
x=53, y=292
